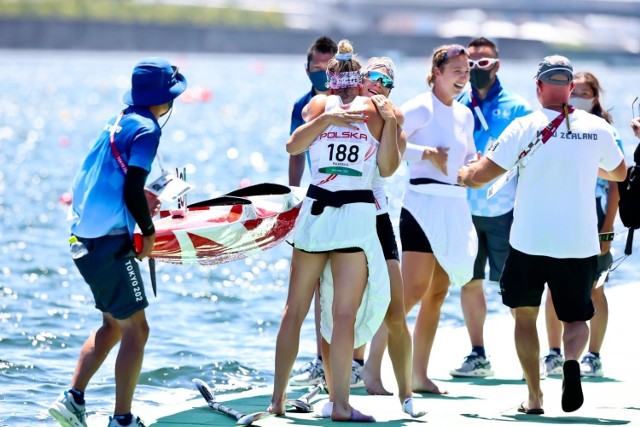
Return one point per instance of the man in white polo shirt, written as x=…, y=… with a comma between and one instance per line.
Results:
x=558, y=153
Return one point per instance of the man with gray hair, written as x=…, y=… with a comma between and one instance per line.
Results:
x=558, y=153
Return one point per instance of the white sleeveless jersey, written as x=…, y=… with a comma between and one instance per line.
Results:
x=341, y=158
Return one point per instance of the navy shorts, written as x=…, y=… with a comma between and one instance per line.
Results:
x=112, y=272
x=493, y=244
x=412, y=238
x=569, y=279
x=387, y=237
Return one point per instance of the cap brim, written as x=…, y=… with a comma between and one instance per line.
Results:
x=156, y=98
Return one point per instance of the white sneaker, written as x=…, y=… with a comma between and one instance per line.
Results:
x=67, y=412
x=135, y=422
x=591, y=366
x=474, y=366
x=356, y=379
x=310, y=374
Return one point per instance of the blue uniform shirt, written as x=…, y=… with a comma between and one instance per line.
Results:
x=499, y=108
x=296, y=115
x=98, y=202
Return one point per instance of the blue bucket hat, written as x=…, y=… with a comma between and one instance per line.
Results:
x=154, y=82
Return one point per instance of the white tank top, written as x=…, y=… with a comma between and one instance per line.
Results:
x=342, y=158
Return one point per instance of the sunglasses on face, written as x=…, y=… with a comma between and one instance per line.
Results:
x=383, y=79
x=482, y=63
x=454, y=50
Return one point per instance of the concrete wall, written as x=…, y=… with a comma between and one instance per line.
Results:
x=46, y=34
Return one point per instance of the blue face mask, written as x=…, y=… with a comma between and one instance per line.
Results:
x=319, y=80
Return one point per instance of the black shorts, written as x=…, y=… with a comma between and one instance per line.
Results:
x=112, y=272
x=569, y=279
x=412, y=238
x=387, y=237
x=493, y=244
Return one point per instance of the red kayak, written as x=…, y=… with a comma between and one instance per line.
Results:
x=228, y=228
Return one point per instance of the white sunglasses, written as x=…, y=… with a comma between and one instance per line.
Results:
x=482, y=62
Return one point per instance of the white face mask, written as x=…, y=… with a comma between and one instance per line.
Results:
x=585, y=104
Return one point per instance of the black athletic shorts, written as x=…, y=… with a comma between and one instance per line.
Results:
x=412, y=238
x=569, y=279
x=387, y=237
x=493, y=244
x=112, y=272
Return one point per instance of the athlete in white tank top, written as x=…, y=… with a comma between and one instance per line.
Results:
x=344, y=159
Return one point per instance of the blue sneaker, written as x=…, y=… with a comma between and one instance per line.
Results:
x=67, y=412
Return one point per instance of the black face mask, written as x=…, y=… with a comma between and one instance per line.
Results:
x=480, y=78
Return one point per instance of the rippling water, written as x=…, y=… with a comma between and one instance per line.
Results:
x=218, y=323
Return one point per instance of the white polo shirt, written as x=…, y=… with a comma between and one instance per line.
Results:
x=554, y=211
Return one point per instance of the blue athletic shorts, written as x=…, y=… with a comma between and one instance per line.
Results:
x=112, y=272
x=493, y=244
x=569, y=279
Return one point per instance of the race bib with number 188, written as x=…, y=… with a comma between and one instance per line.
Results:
x=342, y=158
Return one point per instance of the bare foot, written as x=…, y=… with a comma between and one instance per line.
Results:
x=373, y=383
x=279, y=408
x=355, y=416
x=425, y=385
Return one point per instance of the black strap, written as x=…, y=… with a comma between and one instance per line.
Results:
x=421, y=181
x=336, y=199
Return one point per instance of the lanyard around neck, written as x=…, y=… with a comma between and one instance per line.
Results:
x=478, y=111
x=525, y=156
x=112, y=143
x=544, y=135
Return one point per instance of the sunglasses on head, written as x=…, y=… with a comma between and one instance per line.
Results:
x=454, y=50
x=482, y=63
x=383, y=79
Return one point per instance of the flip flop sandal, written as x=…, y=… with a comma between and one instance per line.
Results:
x=530, y=411
x=572, y=397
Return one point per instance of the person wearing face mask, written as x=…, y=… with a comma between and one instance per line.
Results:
x=109, y=200
x=319, y=53
x=586, y=96
x=493, y=107
x=558, y=153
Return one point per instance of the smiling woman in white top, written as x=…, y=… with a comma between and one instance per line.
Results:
x=439, y=242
